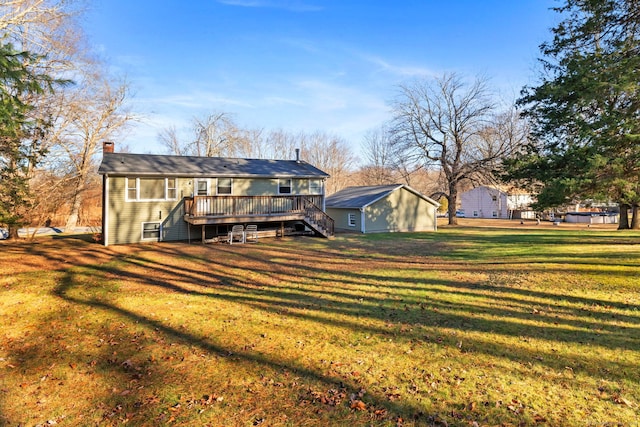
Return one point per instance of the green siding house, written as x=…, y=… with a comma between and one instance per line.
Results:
x=162, y=198
x=381, y=209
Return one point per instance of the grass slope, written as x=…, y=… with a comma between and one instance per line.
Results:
x=462, y=326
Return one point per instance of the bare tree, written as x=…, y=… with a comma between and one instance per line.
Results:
x=379, y=156
x=280, y=144
x=444, y=124
x=94, y=111
x=169, y=138
x=330, y=154
x=214, y=135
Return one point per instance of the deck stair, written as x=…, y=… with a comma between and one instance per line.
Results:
x=316, y=219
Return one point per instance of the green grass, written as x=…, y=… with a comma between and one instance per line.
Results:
x=492, y=326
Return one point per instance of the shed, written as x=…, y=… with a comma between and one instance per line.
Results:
x=381, y=209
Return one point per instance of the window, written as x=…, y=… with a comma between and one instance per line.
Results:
x=475, y=214
x=224, y=185
x=315, y=186
x=150, y=231
x=202, y=187
x=494, y=198
x=494, y=214
x=172, y=191
x=284, y=186
x=132, y=189
x=139, y=189
x=352, y=220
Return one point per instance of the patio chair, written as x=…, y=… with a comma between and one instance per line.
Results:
x=237, y=234
x=251, y=233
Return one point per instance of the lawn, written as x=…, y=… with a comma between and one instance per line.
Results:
x=463, y=327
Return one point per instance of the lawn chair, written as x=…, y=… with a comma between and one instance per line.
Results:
x=237, y=234
x=251, y=233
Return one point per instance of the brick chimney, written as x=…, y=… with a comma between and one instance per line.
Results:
x=107, y=147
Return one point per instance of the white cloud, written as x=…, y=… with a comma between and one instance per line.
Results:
x=399, y=70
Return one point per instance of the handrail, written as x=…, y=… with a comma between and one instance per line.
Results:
x=198, y=206
x=316, y=215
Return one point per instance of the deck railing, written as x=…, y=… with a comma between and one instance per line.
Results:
x=319, y=219
x=201, y=206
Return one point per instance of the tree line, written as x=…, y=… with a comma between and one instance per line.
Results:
x=572, y=136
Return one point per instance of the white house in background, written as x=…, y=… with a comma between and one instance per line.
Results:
x=497, y=202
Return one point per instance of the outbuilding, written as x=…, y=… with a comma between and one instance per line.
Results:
x=381, y=209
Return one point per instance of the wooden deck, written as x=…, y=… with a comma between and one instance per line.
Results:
x=223, y=210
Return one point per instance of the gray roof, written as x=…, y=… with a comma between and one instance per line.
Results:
x=160, y=165
x=361, y=197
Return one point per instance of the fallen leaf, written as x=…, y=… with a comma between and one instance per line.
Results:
x=358, y=405
x=622, y=401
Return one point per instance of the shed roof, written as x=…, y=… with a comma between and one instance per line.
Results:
x=361, y=197
x=163, y=165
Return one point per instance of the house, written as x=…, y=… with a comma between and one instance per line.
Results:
x=496, y=202
x=163, y=198
x=383, y=208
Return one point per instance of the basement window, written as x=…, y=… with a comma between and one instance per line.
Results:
x=151, y=231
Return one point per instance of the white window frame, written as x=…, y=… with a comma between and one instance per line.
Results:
x=136, y=189
x=197, y=189
x=315, y=189
x=230, y=187
x=280, y=186
x=131, y=189
x=351, y=219
x=476, y=214
x=494, y=214
x=154, y=238
x=168, y=190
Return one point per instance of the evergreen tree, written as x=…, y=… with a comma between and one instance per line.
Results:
x=20, y=134
x=585, y=113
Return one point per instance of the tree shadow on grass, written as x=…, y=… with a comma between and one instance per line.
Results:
x=298, y=283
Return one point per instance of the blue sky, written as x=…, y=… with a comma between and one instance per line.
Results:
x=306, y=65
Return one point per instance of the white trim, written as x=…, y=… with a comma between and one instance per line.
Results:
x=105, y=208
x=195, y=187
x=290, y=185
x=151, y=239
x=363, y=227
x=351, y=216
x=320, y=188
x=166, y=189
x=218, y=186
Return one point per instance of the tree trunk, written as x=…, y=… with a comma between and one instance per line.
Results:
x=453, y=201
x=635, y=217
x=74, y=215
x=13, y=232
x=624, y=217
